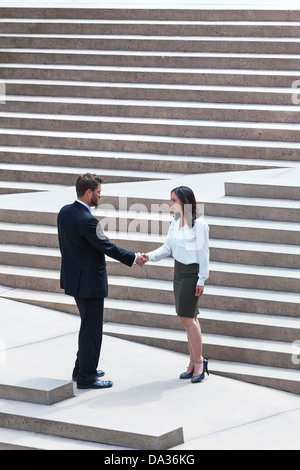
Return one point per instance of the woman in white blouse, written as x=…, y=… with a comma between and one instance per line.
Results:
x=188, y=242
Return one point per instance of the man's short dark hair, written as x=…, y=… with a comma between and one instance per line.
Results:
x=87, y=181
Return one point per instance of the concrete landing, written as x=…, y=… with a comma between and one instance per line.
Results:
x=207, y=187
x=220, y=413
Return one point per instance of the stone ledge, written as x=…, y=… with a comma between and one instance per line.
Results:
x=39, y=390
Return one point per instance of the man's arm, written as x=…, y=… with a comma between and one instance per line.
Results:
x=96, y=237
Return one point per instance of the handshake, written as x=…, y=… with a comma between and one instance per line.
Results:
x=141, y=259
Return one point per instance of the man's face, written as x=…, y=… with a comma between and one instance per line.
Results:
x=95, y=196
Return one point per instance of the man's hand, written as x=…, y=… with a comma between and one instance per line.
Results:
x=199, y=291
x=140, y=260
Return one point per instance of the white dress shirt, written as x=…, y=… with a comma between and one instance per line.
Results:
x=188, y=246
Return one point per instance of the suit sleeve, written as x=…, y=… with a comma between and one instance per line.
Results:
x=96, y=237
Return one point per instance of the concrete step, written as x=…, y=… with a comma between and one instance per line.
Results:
x=73, y=424
x=221, y=274
x=288, y=381
x=172, y=14
x=186, y=128
x=254, y=208
x=157, y=315
x=95, y=82
x=152, y=290
x=151, y=59
x=264, y=189
x=231, y=207
x=151, y=109
x=151, y=28
x=11, y=439
x=229, y=148
x=41, y=390
x=263, y=231
x=216, y=347
x=68, y=175
x=222, y=250
x=259, y=45
x=14, y=187
x=131, y=161
x=20, y=79
x=254, y=230
x=220, y=228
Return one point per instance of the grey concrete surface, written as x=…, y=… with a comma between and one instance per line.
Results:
x=219, y=413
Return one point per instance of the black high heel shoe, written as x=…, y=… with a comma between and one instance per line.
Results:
x=198, y=378
x=187, y=375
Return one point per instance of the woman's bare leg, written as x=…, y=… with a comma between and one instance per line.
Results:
x=194, y=335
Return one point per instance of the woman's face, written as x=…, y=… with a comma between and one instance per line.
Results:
x=175, y=204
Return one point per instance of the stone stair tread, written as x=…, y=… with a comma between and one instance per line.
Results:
x=157, y=38
x=212, y=290
x=256, y=370
x=28, y=186
x=151, y=103
x=151, y=138
x=28, y=228
x=11, y=439
x=156, y=121
x=177, y=335
x=162, y=285
x=225, y=267
x=232, y=222
x=75, y=423
x=145, y=156
x=284, y=180
x=257, y=201
x=178, y=70
x=42, y=390
x=151, y=22
x=24, y=295
x=255, y=246
x=77, y=171
x=214, y=243
x=267, y=224
x=150, y=53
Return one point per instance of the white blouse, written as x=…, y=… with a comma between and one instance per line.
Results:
x=188, y=246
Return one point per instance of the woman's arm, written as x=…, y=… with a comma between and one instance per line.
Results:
x=162, y=252
x=202, y=235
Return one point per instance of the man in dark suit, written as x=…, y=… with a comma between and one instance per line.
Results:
x=83, y=248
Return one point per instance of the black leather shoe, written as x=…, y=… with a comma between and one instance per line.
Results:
x=100, y=373
x=186, y=375
x=96, y=385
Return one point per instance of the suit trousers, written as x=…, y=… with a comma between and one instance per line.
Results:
x=89, y=340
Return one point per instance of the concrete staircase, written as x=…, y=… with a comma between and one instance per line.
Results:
x=139, y=95
x=250, y=311
x=153, y=96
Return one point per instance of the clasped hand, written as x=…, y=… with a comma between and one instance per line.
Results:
x=141, y=259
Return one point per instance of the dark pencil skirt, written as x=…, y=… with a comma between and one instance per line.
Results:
x=185, y=281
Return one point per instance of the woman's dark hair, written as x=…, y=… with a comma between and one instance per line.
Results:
x=189, y=204
x=87, y=181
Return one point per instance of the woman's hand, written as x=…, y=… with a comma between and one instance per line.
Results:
x=199, y=291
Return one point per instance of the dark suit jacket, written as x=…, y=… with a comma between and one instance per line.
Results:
x=83, y=250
